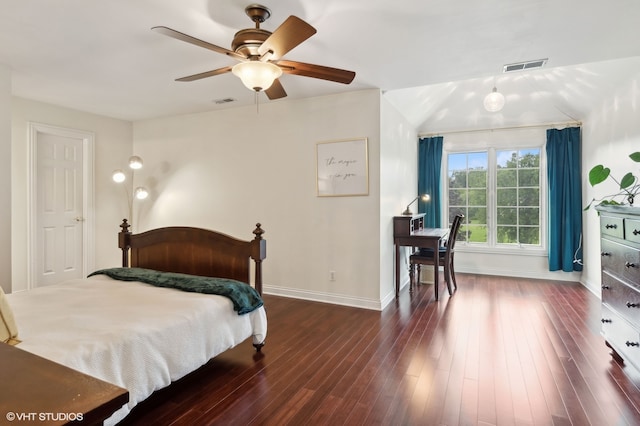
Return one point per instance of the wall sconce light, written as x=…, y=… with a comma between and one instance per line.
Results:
x=494, y=101
x=140, y=193
x=424, y=197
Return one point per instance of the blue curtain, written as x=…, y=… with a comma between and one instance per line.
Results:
x=429, y=162
x=565, y=199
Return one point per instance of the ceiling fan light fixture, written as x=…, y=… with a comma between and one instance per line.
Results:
x=257, y=75
x=494, y=101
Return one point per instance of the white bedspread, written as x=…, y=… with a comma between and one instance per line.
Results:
x=133, y=335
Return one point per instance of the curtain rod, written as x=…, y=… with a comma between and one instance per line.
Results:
x=530, y=126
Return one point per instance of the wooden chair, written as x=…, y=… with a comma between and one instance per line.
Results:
x=446, y=254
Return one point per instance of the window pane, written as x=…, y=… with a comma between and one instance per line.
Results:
x=529, y=177
x=478, y=161
x=507, y=235
x=530, y=158
x=529, y=216
x=507, y=159
x=477, y=179
x=507, y=216
x=476, y=233
x=507, y=197
x=458, y=179
x=529, y=197
x=477, y=215
x=507, y=178
x=477, y=197
x=457, y=197
x=530, y=235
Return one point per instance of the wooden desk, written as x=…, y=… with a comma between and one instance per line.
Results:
x=38, y=391
x=409, y=231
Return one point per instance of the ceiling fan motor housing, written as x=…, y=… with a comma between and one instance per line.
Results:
x=246, y=42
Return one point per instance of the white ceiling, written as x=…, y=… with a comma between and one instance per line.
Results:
x=434, y=60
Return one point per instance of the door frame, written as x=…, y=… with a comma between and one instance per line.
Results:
x=88, y=190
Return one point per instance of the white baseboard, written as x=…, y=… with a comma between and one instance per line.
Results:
x=336, y=299
x=543, y=275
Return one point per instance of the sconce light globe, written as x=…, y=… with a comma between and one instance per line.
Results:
x=119, y=176
x=135, y=162
x=141, y=193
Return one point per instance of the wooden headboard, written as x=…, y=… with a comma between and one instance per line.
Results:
x=194, y=251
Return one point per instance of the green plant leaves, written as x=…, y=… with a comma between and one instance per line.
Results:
x=635, y=157
x=598, y=174
x=627, y=180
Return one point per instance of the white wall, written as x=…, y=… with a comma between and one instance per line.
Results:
x=609, y=135
x=398, y=186
x=227, y=170
x=113, y=141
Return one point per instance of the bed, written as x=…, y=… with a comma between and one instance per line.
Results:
x=142, y=336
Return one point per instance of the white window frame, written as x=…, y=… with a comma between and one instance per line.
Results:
x=521, y=140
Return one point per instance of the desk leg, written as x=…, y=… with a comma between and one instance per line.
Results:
x=436, y=267
x=397, y=265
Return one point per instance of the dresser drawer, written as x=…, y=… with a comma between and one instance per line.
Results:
x=621, y=260
x=613, y=226
x=632, y=230
x=621, y=298
x=622, y=337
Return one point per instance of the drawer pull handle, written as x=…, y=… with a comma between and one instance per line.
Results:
x=605, y=320
x=628, y=343
x=605, y=287
x=633, y=305
x=636, y=232
x=629, y=265
x=608, y=226
x=605, y=253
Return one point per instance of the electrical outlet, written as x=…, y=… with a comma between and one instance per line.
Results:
x=332, y=275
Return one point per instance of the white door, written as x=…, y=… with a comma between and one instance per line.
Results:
x=59, y=206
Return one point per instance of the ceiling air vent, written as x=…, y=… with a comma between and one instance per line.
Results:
x=224, y=101
x=528, y=65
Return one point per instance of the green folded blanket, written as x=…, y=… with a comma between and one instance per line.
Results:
x=244, y=297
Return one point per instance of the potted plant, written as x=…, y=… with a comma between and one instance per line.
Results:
x=629, y=184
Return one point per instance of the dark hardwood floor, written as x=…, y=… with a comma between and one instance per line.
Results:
x=501, y=351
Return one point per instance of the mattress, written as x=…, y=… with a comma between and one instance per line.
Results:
x=130, y=334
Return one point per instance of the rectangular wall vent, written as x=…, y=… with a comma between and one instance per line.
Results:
x=521, y=66
x=224, y=101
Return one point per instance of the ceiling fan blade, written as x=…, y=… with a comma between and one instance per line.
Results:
x=205, y=74
x=275, y=91
x=288, y=35
x=317, y=71
x=187, y=38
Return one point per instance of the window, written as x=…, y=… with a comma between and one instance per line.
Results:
x=499, y=192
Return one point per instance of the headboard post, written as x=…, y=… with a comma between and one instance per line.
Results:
x=124, y=242
x=258, y=253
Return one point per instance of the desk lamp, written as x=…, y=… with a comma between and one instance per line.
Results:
x=425, y=198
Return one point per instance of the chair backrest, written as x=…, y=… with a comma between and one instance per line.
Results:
x=453, y=233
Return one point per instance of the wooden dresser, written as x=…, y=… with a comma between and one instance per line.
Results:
x=620, y=253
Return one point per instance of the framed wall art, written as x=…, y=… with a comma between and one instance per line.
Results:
x=342, y=168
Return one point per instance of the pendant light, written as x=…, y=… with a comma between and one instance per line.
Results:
x=494, y=101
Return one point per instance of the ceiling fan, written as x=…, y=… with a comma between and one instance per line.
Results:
x=260, y=54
